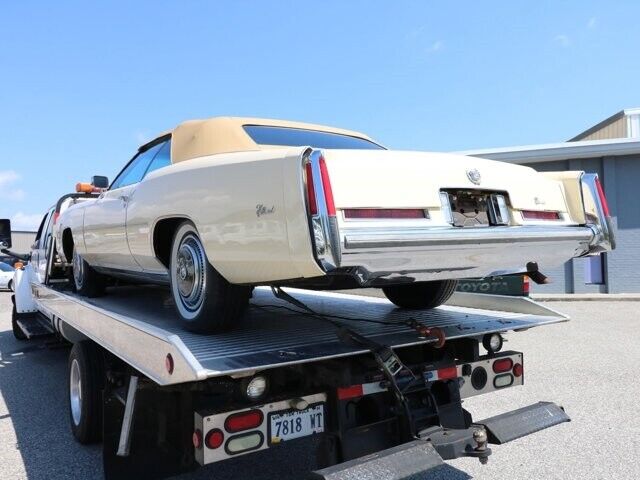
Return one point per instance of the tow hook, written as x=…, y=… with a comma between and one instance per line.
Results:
x=481, y=439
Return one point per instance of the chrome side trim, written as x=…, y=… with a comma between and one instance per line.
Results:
x=600, y=224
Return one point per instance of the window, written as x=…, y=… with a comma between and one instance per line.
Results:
x=41, y=227
x=5, y=268
x=46, y=231
x=136, y=168
x=298, y=137
x=162, y=158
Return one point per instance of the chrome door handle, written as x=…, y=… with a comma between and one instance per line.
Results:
x=124, y=198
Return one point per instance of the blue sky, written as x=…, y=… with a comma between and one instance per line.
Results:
x=82, y=84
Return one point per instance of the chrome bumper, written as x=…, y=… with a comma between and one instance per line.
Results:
x=449, y=252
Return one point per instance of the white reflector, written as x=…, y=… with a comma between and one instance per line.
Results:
x=502, y=381
x=243, y=443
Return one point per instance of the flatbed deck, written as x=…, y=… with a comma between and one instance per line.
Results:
x=139, y=325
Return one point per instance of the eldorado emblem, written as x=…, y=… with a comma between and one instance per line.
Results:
x=474, y=176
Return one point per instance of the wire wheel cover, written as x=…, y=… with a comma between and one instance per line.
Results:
x=190, y=272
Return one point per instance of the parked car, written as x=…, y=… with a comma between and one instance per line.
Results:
x=217, y=206
x=6, y=276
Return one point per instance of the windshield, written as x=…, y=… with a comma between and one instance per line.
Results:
x=5, y=268
x=299, y=137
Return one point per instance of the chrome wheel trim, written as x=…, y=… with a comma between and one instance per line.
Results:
x=190, y=273
x=75, y=392
x=78, y=269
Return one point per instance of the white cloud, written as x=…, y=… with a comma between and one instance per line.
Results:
x=562, y=40
x=593, y=21
x=142, y=137
x=7, y=189
x=26, y=221
x=436, y=46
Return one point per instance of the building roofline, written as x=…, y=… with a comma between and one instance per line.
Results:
x=559, y=151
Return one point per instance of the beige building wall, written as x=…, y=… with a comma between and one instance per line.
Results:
x=616, y=129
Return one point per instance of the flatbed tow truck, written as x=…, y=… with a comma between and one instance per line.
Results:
x=377, y=391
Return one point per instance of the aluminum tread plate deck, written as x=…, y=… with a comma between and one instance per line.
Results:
x=269, y=335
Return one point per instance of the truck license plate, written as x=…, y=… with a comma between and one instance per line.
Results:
x=296, y=423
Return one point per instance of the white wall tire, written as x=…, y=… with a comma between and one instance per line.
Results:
x=205, y=301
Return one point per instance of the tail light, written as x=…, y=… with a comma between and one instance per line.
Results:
x=537, y=215
x=526, y=285
x=244, y=443
x=243, y=421
x=214, y=439
x=384, y=213
x=502, y=365
x=518, y=370
x=196, y=438
x=603, y=199
x=326, y=189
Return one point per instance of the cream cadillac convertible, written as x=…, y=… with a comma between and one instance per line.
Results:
x=217, y=206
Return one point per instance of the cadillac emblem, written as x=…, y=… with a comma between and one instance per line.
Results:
x=474, y=176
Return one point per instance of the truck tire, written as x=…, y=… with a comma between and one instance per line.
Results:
x=86, y=382
x=421, y=295
x=205, y=301
x=87, y=281
x=17, y=331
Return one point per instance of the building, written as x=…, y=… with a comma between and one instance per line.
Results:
x=612, y=150
x=21, y=242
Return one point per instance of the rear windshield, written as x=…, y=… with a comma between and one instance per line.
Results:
x=5, y=268
x=299, y=137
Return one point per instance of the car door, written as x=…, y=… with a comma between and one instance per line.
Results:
x=105, y=234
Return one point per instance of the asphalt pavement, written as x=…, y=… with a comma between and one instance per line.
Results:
x=588, y=365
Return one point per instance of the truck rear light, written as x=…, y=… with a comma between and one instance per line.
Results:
x=518, y=370
x=603, y=199
x=196, y=438
x=168, y=363
x=538, y=215
x=502, y=381
x=239, y=422
x=346, y=393
x=384, y=213
x=244, y=443
x=502, y=365
x=526, y=285
x=214, y=439
x=447, y=373
x=479, y=378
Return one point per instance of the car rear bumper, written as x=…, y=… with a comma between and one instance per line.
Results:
x=449, y=252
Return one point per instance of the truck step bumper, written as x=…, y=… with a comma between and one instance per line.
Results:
x=406, y=461
x=524, y=421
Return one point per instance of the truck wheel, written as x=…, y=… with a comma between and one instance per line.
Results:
x=421, y=295
x=17, y=331
x=206, y=302
x=86, y=382
x=87, y=281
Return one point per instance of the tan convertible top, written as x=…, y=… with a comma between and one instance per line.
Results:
x=198, y=138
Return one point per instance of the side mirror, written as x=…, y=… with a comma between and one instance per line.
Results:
x=100, y=181
x=5, y=233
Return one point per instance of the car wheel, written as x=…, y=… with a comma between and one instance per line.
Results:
x=86, y=382
x=87, y=281
x=421, y=295
x=205, y=301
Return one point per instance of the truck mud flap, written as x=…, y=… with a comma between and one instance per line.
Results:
x=408, y=461
x=524, y=421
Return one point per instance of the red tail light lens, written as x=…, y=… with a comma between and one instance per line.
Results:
x=388, y=213
x=354, y=391
x=214, y=439
x=518, y=370
x=502, y=365
x=55, y=217
x=447, y=373
x=526, y=285
x=196, y=438
x=603, y=199
x=536, y=215
x=326, y=185
x=239, y=422
x=311, y=193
